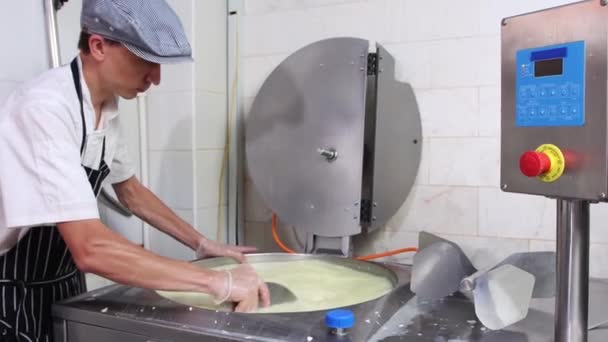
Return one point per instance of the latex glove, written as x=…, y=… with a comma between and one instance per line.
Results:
x=210, y=248
x=242, y=286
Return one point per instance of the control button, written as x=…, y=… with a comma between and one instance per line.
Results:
x=564, y=110
x=553, y=92
x=543, y=93
x=565, y=91
x=533, y=164
x=523, y=92
x=574, y=111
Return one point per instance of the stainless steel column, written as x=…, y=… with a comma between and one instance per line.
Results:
x=51, y=30
x=572, y=298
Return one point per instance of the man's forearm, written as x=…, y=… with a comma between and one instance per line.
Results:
x=147, y=206
x=97, y=249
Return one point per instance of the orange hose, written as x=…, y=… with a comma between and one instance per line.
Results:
x=387, y=253
x=275, y=235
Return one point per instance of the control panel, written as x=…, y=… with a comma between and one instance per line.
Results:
x=550, y=84
x=554, y=118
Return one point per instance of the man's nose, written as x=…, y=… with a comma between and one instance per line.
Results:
x=154, y=75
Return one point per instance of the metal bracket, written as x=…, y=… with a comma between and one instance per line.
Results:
x=372, y=64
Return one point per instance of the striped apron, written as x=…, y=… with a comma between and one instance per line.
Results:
x=39, y=270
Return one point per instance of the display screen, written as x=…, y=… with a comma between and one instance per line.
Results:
x=549, y=67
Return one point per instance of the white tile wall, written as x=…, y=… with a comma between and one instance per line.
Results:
x=256, y=70
x=208, y=222
x=489, y=111
x=280, y=32
x=515, y=215
x=211, y=120
x=210, y=49
x=450, y=53
x=463, y=62
x=439, y=209
x=423, y=20
x=209, y=166
x=464, y=161
x=170, y=120
x=171, y=177
x=452, y=112
x=264, y=7
x=167, y=246
x=367, y=19
x=412, y=63
x=175, y=78
x=25, y=52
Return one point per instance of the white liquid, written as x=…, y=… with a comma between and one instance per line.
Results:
x=319, y=285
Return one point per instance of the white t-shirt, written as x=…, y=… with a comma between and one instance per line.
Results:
x=42, y=180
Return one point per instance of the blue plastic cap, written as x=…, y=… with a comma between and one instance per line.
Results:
x=340, y=318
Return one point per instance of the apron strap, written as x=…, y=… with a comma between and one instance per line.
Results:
x=78, y=86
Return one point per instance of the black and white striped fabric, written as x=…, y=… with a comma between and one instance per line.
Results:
x=40, y=270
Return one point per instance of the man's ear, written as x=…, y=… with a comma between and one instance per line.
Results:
x=98, y=47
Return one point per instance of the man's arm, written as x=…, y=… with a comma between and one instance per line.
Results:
x=147, y=206
x=97, y=249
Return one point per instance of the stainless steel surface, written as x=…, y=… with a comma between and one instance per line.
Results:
x=398, y=142
x=341, y=245
x=586, y=175
x=280, y=294
x=439, y=267
x=314, y=98
x=120, y=314
x=329, y=154
x=50, y=6
x=540, y=264
x=333, y=140
x=572, y=271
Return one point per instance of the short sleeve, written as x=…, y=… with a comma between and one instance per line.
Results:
x=42, y=180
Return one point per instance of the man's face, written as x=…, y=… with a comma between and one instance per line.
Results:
x=127, y=74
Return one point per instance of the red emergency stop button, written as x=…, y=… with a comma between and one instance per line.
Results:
x=533, y=164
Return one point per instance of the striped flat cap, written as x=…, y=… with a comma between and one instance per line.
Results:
x=148, y=28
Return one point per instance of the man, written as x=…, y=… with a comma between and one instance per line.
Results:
x=59, y=143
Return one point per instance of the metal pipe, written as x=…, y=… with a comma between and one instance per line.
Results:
x=572, y=298
x=142, y=112
x=50, y=14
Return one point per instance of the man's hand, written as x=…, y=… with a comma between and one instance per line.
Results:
x=209, y=248
x=242, y=286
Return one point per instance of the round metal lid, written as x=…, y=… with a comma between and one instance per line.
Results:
x=305, y=138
